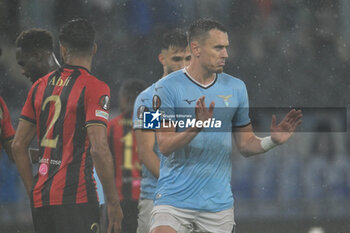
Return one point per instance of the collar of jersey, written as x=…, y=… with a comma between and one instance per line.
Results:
x=197, y=83
x=67, y=66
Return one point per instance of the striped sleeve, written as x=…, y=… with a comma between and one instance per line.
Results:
x=7, y=132
x=97, y=104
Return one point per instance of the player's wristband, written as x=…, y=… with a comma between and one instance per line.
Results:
x=267, y=143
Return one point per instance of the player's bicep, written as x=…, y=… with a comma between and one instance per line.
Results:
x=145, y=140
x=24, y=134
x=165, y=134
x=97, y=135
x=28, y=112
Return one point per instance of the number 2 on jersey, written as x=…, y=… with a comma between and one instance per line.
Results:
x=45, y=142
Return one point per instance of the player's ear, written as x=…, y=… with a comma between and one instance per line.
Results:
x=195, y=48
x=63, y=52
x=161, y=58
x=94, y=49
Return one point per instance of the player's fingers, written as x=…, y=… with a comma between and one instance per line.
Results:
x=200, y=102
x=297, y=123
x=289, y=115
x=273, y=120
x=203, y=103
x=296, y=119
x=211, y=107
x=198, y=106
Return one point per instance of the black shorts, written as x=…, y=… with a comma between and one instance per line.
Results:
x=130, y=211
x=76, y=218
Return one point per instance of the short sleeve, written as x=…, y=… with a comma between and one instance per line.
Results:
x=28, y=110
x=97, y=104
x=7, y=132
x=142, y=104
x=164, y=100
x=241, y=117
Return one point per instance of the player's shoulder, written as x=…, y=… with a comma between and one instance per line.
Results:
x=227, y=79
x=171, y=79
x=92, y=80
x=43, y=80
x=148, y=92
x=145, y=97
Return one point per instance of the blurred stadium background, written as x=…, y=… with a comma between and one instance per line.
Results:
x=288, y=52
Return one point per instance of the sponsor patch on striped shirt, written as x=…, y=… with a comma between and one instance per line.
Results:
x=102, y=114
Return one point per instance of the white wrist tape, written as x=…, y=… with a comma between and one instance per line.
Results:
x=267, y=143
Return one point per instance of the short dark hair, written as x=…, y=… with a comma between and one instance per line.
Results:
x=131, y=88
x=77, y=35
x=200, y=28
x=174, y=38
x=35, y=39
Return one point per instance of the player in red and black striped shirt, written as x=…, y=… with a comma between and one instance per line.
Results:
x=35, y=56
x=6, y=130
x=68, y=109
x=122, y=142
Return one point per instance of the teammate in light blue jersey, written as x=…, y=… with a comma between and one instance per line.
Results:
x=101, y=199
x=193, y=190
x=174, y=55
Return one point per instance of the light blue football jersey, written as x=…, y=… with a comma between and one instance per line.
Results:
x=198, y=175
x=143, y=103
x=101, y=196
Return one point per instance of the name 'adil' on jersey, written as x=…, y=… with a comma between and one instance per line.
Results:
x=63, y=104
x=198, y=175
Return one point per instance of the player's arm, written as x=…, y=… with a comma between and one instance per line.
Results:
x=169, y=140
x=23, y=137
x=7, y=132
x=249, y=144
x=145, y=140
x=7, y=148
x=103, y=161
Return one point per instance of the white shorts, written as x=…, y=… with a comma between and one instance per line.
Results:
x=145, y=207
x=186, y=221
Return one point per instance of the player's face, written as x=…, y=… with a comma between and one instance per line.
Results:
x=187, y=56
x=175, y=58
x=31, y=65
x=213, y=53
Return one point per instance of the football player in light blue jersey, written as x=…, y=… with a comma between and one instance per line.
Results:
x=174, y=55
x=101, y=200
x=193, y=190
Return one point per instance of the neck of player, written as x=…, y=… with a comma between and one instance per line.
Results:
x=200, y=74
x=79, y=61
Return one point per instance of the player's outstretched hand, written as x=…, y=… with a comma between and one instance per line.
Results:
x=202, y=112
x=284, y=130
x=115, y=217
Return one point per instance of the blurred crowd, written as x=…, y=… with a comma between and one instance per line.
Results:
x=288, y=52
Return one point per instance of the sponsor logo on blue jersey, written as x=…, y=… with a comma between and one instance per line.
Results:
x=151, y=120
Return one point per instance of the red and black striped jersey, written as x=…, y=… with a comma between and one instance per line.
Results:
x=6, y=130
x=63, y=104
x=127, y=167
